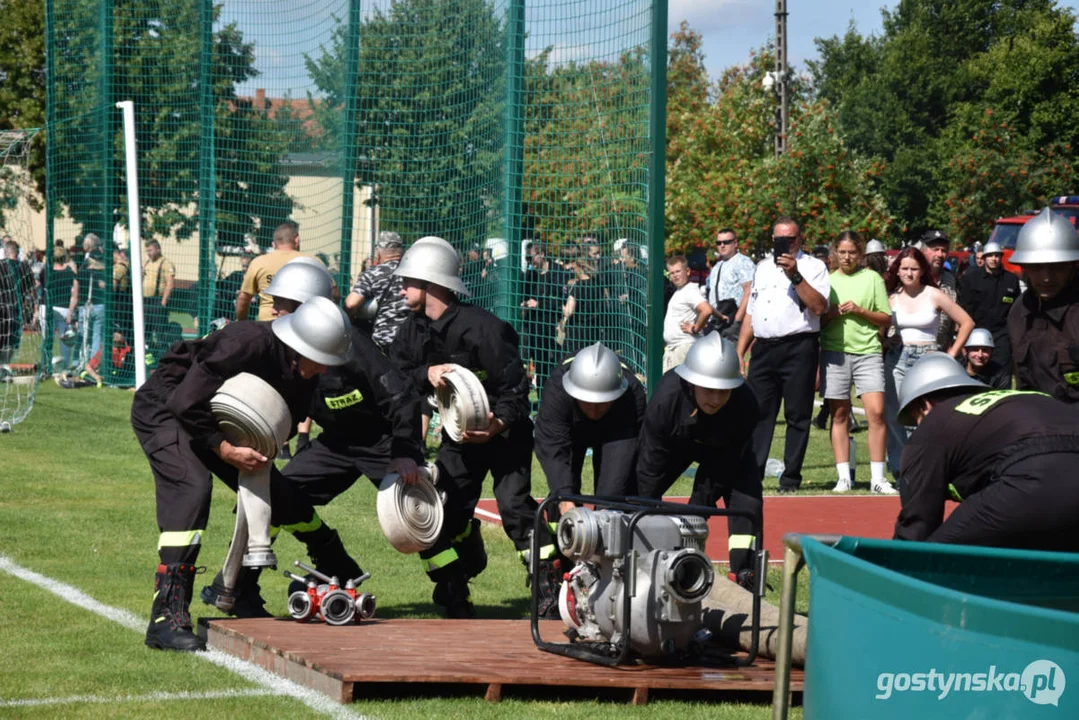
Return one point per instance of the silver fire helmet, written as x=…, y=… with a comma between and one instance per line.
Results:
x=712, y=362
x=301, y=279
x=595, y=376
x=435, y=263
x=992, y=248
x=318, y=330
x=433, y=240
x=934, y=371
x=980, y=337
x=874, y=246
x=1047, y=238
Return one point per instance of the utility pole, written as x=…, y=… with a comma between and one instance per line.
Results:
x=783, y=109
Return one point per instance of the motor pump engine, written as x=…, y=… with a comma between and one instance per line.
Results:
x=663, y=569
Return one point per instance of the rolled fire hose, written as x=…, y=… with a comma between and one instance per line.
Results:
x=251, y=414
x=462, y=403
x=410, y=515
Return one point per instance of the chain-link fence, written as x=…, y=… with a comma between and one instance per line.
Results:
x=523, y=133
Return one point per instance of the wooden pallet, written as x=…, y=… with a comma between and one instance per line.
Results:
x=348, y=662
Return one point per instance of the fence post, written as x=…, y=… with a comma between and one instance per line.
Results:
x=656, y=191
x=109, y=199
x=349, y=151
x=207, y=171
x=510, y=284
x=50, y=177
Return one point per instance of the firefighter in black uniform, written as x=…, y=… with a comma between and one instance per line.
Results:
x=979, y=360
x=591, y=402
x=704, y=412
x=369, y=413
x=1007, y=456
x=172, y=420
x=1044, y=324
x=988, y=295
x=442, y=332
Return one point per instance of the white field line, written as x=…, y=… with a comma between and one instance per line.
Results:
x=149, y=697
x=488, y=515
x=269, y=682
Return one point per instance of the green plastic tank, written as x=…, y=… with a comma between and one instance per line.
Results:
x=922, y=630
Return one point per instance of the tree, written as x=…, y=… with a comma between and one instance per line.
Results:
x=429, y=114
x=586, y=148
x=22, y=75
x=914, y=96
x=727, y=173
x=995, y=172
x=154, y=58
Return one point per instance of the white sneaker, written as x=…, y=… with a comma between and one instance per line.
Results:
x=842, y=486
x=883, y=487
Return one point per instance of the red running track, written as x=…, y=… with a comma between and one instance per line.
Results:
x=869, y=516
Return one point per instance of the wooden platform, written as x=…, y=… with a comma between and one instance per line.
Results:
x=348, y=662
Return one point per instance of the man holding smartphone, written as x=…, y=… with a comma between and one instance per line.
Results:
x=789, y=295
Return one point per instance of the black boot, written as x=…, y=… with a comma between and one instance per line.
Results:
x=247, y=600
x=170, y=623
x=471, y=552
x=452, y=593
x=329, y=556
x=548, y=583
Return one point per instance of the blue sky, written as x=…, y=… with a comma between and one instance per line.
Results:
x=732, y=28
x=283, y=30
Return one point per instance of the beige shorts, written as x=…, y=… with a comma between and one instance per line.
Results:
x=673, y=356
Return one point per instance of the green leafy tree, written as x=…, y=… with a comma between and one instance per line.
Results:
x=727, y=173
x=429, y=114
x=586, y=148
x=914, y=95
x=996, y=172
x=22, y=69
x=154, y=59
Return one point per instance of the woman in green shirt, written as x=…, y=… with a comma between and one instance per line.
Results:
x=851, y=357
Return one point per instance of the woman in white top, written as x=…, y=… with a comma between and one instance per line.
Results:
x=916, y=307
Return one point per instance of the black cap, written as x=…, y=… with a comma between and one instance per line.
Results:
x=821, y=252
x=935, y=237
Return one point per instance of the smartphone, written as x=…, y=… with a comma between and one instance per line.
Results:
x=780, y=246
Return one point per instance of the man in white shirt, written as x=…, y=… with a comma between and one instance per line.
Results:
x=687, y=314
x=728, y=285
x=789, y=295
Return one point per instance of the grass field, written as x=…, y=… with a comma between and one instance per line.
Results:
x=77, y=506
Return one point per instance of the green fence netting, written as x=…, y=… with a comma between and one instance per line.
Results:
x=525, y=133
x=22, y=312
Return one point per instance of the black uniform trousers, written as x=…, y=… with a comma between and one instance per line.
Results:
x=614, y=467
x=182, y=468
x=1033, y=504
x=735, y=480
x=1002, y=354
x=784, y=369
x=322, y=471
x=462, y=469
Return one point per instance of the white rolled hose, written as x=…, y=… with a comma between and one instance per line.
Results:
x=462, y=403
x=410, y=515
x=253, y=415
